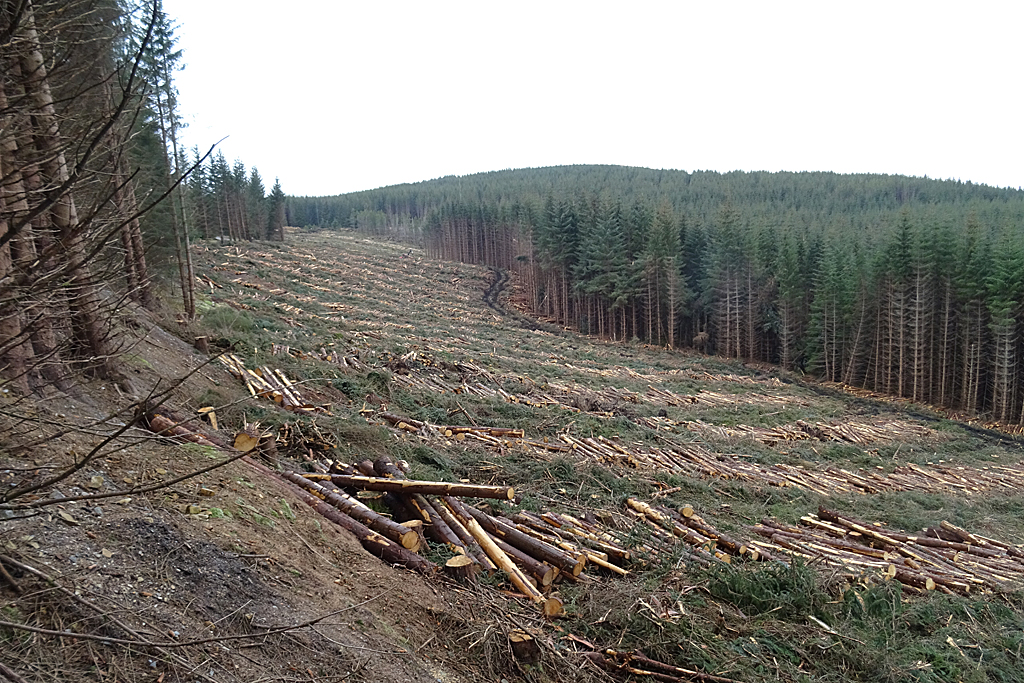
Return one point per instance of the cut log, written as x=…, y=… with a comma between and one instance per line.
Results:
x=515, y=574
x=167, y=427
x=461, y=568
x=373, y=542
x=552, y=607
x=245, y=442
x=436, y=527
x=210, y=413
x=267, y=446
x=524, y=647
x=473, y=548
x=410, y=486
x=534, y=547
x=404, y=536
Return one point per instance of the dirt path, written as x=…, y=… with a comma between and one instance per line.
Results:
x=494, y=290
x=492, y=297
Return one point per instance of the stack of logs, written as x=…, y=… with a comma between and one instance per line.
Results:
x=536, y=552
x=272, y=384
x=705, y=543
x=945, y=558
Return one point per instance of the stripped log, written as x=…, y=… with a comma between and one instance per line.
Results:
x=473, y=549
x=515, y=574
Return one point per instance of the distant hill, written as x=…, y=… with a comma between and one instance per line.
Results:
x=774, y=197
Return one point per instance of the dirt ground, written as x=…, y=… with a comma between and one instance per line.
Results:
x=244, y=557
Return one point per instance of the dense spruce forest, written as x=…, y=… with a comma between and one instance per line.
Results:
x=908, y=286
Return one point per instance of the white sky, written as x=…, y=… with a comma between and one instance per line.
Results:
x=345, y=95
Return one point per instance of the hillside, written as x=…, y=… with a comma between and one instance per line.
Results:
x=796, y=550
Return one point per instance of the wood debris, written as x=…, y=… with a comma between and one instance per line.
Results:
x=272, y=384
x=943, y=558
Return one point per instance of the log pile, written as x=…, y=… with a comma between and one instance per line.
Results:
x=535, y=552
x=705, y=543
x=272, y=384
x=326, y=353
x=945, y=558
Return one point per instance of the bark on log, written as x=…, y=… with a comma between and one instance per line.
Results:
x=461, y=568
x=166, y=427
x=524, y=647
x=373, y=542
x=404, y=536
x=410, y=486
x=544, y=552
x=473, y=548
x=436, y=527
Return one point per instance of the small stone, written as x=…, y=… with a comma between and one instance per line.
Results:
x=98, y=511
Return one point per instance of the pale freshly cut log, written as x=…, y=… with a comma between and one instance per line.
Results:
x=410, y=486
x=534, y=547
x=515, y=574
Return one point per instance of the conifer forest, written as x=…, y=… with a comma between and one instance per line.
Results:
x=908, y=286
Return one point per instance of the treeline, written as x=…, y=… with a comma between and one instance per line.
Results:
x=93, y=184
x=906, y=286
x=227, y=202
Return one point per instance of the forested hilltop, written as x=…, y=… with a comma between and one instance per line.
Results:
x=908, y=286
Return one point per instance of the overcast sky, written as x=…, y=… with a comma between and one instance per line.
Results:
x=344, y=95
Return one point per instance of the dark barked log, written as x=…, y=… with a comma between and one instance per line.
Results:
x=384, y=467
x=435, y=526
x=524, y=647
x=374, y=543
x=404, y=536
x=164, y=426
x=910, y=578
x=430, y=488
x=543, y=573
x=533, y=547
